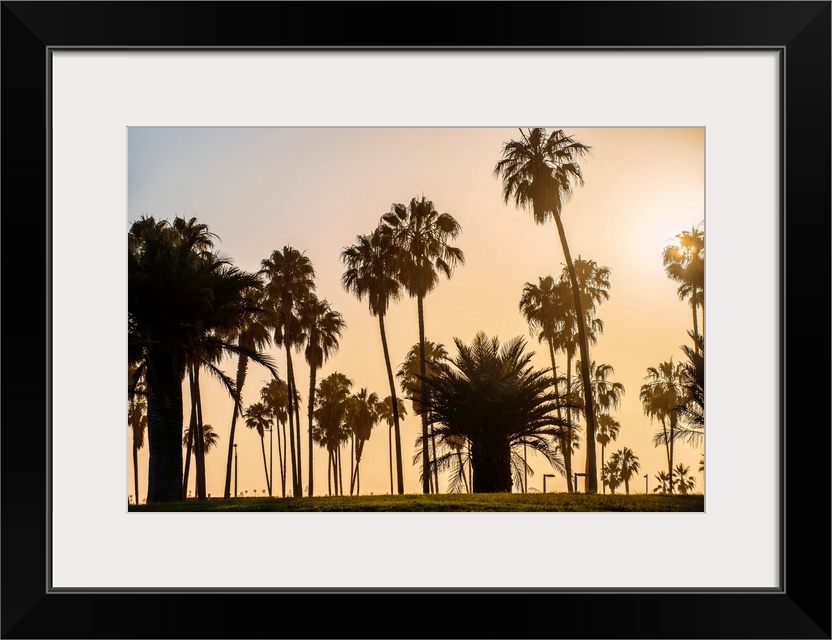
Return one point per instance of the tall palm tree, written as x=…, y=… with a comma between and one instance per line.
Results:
x=136, y=418
x=684, y=263
x=408, y=374
x=391, y=416
x=372, y=266
x=661, y=397
x=424, y=235
x=537, y=173
x=182, y=299
x=323, y=328
x=608, y=428
x=275, y=396
x=331, y=402
x=258, y=418
x=362, y=416
x=290, y=278
x=209, y=439
x=491, y=397
x=626, y=462
x=684, y=482
x=253, y=333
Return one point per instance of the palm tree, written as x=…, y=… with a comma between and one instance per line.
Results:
x=258, y=418
x=209, y=439
x=684, y=482
x=390, y=415
x=492, y=398
x=684, y=263
x=423, y=235
x=331, y=401
x=136, y=418
x=323, y=327
x=608, y=428
x=182, y=300
x=372, y=265
x=537, y=173
x=626, y=462
x=290, y=278
x=660, y=397
x=408, y=375
x=691, y=427
x=610, y=476
x=664, y=482
x=275, y=396
x=362, y=416
x=252, y=333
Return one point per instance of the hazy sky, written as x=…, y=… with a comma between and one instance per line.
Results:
x=315, y=189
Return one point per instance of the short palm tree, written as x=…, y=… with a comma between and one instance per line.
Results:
x=331, y=402
x=323, y=327
x=537, y=173
x=608, y=428
x=136, y=418
x=258, y=418
x=390, y=416
x=611, y=476
x=664, y=482
x=490, y=396
x=372, y=267
x=684, y=263
x=684, y=482
x=275, y=396
x=362, y=416
x=626, y=462
x=209, y=439
x=424, y=235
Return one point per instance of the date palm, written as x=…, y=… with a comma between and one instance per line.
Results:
x=258, y=418
x=537, y=172
x=290, y=277
x=661, y=397
x=684, y=263
x=424, y=235
x=491, y=397
x=608, y=428
x=626, y=462
x=391, y=416
x=372, y=266
x=323, y=327
x=182, y=299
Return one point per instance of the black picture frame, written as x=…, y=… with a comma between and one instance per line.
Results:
x=800, y=608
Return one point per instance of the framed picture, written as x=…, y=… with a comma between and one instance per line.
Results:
x=76, y=564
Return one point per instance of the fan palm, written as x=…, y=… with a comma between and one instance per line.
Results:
x=684, y=263
x=664, y=482
x=323, y=327
x=424, y=235
x=626, y=462
x=372, y=265
x=661, y=396
x=275, y=396
x=258, y=418
x=684, y=482
x=290, y=277
x=362, y=416
x=691, y=427
x=490, y=396
x=391, y=416
x=610, y=476
x=331, y=401
x=608, y=428
x=208, y=440
x=136, y=418
x=182, y=298
x=537, y=173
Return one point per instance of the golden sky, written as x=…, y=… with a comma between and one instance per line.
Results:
x=315, y=189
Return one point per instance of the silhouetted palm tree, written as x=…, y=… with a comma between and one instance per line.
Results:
x=372, y=266
x=626, y=462
x=537, y=173
x=290, y=278
x=684, y=263
x=275, y=396
x=664, y=482
x=210, y=439
x=490, y=396
x=424, y=235
x=610, y=476
x=331, y=401
x=390, y=416
x=258, y=418
x=608, y=428
x=136, y=417
x=323, y=327
x=661, y=396
x=683, y=482
x=253, y=333
x=691, y=427
x=362, y=416
x=182, y=298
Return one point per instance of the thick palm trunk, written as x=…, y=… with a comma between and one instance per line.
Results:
x=265, y=466
x=627, y=485
x=242, y=367
x=310, y=403
x=492, y=467
x=591, y=465
x=422, y=372
x=164, y=430
x=567, y=452
x=199, y=441
x=391, y=382
x=289, y=406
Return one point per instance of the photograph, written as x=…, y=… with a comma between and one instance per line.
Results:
x=416, y=319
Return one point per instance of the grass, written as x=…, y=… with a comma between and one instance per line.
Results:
x=574, y=502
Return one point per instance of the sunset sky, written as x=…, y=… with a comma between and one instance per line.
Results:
x=315, y=189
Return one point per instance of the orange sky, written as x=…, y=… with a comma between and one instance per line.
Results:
x=316, y=189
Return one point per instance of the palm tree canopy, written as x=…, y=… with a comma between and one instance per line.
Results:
x=323, y=328
x=538, y=169
x=290, y=277
x=608, y=428
x=258, y=418
x=385, y=411
x=661, y=393
x=210, y=438
x=372, y=265
x=606, y=394
x=331, y=401
x=408, y=371
x=684, y=262
x=275, y=396
x=545, y=307
x=626, y=462
x=423, y=235
x=363, y=413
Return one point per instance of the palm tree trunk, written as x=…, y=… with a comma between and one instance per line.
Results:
x=282, y=458
x=435, y=467
x=164, y=430
x=265, y=465
x=298, y=440
x=591, y=465
x=136, y=470
x=242, y=366
x=669, y=454
x=310, y=402
x=672, y=436
x=340, y=479
x=390, y=450
x=329, y=472
x=190, y=445
x=603, y=448
x=391, y=382
x=199, y=441
x=567, y=451
x=462, y=470
x=289, y=405
x=695, y=320
x=422, y=372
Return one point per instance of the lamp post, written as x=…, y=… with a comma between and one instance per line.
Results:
x=235, y=469
x=645, y=483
